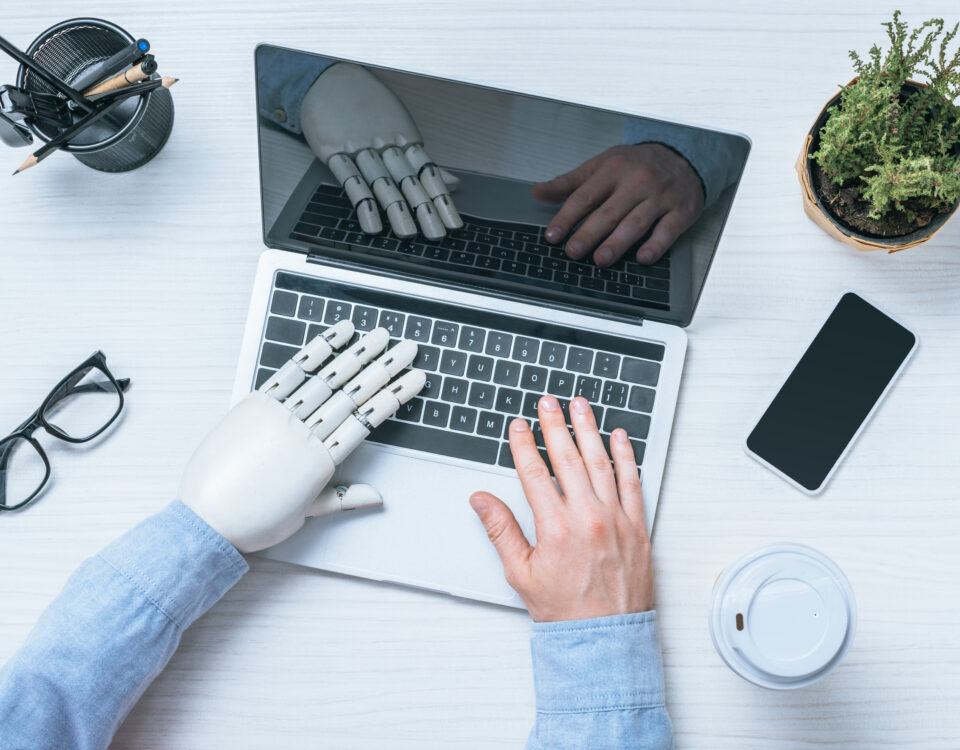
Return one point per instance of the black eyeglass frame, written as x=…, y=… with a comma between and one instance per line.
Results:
x=37, y=420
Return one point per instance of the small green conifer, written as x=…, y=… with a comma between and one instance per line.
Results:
x=899, y=147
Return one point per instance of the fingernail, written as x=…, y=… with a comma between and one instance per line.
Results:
x=479, y=505
x=620, y=436
x=553, y=234
x=644, y=256
x=604, y=256
x=575, y=248
x=549, y=403
x=518, y=425
x=581, y=405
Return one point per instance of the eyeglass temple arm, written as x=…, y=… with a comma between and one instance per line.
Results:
x=124, y=383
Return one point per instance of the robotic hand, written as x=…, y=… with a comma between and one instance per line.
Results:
x=364, y=134
x=264, y=469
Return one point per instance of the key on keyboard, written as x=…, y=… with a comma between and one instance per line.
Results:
x=510, y=251
x=483, y=368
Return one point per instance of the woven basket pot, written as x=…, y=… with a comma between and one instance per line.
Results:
x=815, y=208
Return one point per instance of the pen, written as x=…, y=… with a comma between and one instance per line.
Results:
x=131, y=75
x=39, y=155
x=42, y=73
x=118, y=61
x=138, y=88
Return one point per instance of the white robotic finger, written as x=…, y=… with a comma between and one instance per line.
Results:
x=404, y=175
x=317, y=390
x=372, y=414
x=432, y=180
x=371, y=379
x=377, y=175
x=357, y=191
x=450, y=179
x=285, y=380
x=335, y=499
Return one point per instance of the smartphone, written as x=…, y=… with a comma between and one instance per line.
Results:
x=833, y=390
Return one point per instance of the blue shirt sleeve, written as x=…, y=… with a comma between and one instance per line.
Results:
x=599, y=684
x=111, y=631
x=717, y=158
x=283, y=79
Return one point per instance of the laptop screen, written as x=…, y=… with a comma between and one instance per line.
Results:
x=501, y=192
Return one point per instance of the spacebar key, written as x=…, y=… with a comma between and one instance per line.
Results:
x=442, y=442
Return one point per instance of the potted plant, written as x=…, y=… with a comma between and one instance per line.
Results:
x=880, y=167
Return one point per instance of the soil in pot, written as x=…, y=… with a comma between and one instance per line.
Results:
x=847, y=205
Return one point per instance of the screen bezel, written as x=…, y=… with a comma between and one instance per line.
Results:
x=543, y=296
x=866, y=420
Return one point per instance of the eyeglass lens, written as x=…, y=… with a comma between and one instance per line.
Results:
x=84, y=404
x=22, y=471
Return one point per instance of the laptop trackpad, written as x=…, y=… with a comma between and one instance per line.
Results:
x=425, y=535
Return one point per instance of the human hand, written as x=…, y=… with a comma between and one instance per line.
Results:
x=262, y=471
x=363, y=133
x=592, y=557
x=623, y=192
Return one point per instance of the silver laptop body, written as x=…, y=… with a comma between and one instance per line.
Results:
x=496, y=333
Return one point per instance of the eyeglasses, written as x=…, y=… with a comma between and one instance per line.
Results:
x=81, y=406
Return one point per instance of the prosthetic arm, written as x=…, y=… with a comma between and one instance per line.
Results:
x=363, y=133
x=264, y=469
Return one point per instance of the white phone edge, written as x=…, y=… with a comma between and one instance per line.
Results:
x=866, y=420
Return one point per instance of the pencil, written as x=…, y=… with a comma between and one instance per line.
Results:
x=137, y=88
x=42, y=153
x=130, y=75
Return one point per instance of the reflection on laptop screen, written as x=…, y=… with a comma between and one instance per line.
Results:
x=490, y=148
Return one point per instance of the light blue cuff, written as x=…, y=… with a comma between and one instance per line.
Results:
x=598, y=664
x=197, y=565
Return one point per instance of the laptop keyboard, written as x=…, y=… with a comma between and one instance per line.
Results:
x=483, y=368
x=508, y=251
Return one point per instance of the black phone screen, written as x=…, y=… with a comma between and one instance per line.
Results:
x=831, y=391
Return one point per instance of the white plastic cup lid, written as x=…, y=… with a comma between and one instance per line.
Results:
x=783, y=616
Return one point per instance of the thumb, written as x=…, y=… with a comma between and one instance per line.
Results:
x=501, y=527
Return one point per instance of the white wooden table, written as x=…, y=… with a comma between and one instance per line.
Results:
x=155, y=267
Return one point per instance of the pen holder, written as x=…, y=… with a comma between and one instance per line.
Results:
x=126, y=138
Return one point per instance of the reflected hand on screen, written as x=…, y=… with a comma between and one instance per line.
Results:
x=620, y=195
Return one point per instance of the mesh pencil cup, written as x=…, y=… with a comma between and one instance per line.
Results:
x=126, y=138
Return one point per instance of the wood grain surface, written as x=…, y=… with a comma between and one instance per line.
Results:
x=294, y=658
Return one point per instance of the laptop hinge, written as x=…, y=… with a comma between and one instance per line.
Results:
x=324, y=260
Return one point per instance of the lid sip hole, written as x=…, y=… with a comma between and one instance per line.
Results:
x=739, y=621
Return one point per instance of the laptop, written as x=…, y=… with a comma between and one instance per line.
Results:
x=500, y=315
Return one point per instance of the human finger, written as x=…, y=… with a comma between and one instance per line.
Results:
x=503, y=531
x=668, y=229
x=377, y=175
x=601, y=223
x=592, y=452
x=559, y=188
x=629, y=488
x=581, y=202
x=629, y=231
x=538, y=487
x=565, y=459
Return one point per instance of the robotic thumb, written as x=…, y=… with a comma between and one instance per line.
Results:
x=450, y=180
x=334, y=499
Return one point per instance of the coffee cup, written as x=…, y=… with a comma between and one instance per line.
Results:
x=782, y=616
